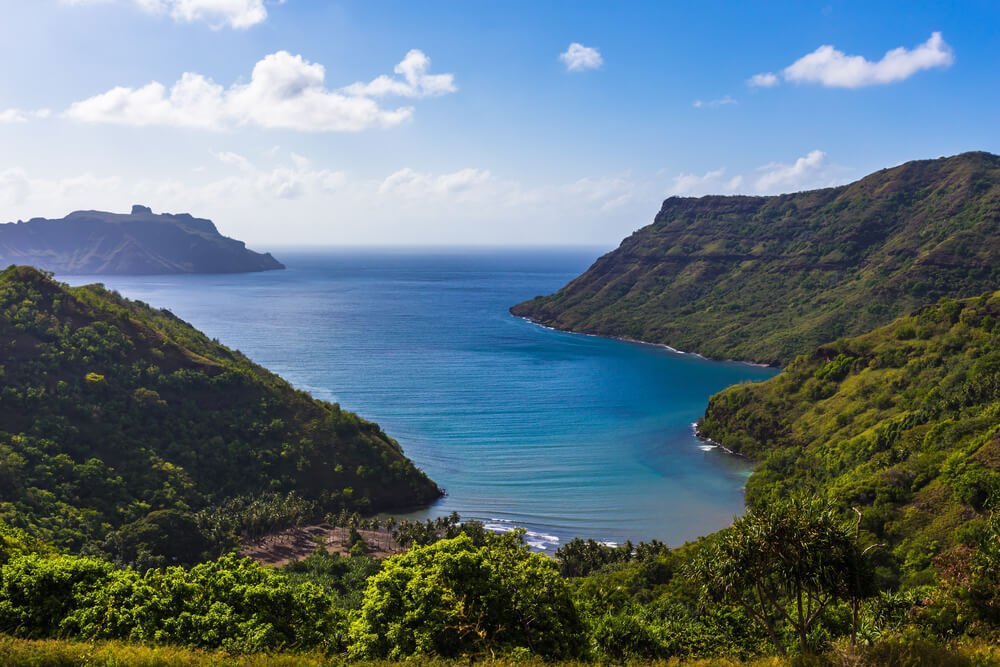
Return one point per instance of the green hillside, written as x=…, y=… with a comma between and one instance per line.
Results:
x=112, y=412
x=767, y=278
x=902, y=423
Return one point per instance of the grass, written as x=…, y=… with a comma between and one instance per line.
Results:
x=61, y=653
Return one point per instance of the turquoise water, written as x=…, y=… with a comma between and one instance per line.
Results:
x=563, y=434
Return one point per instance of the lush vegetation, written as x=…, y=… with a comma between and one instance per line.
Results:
x=125, y=431
x=795, y=579
x=768, y=278
x=902, y=423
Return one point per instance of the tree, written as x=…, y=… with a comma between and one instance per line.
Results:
x=454, y=598
x=784, y=564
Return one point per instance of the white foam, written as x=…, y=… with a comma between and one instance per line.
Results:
x=534, y=539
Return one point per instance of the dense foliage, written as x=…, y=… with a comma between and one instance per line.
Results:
x=902, y=423
x=119, y=423
x=455, y=598
x=767, y=278
x=735, y=595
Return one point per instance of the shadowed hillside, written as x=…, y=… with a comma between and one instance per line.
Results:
x=111, y=411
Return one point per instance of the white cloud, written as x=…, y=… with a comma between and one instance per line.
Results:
x=14, y=186
x=265, y=199
x=21, y=116
x=13, y=116
x=413, y=184
x=713, y=104
x=711, y=182
x=796, y=176
x=237, y=14
x=833, y=68
x=765, y=80
x=18, y=188
x=579, y=58
x=284, y=92
x=235, y=160
x=830, y=67
x=415, y=83
x=808, y=172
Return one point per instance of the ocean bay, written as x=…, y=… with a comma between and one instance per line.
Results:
x=563, y=434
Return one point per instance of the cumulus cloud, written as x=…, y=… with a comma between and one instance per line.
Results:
x=411, y=183
x=713, y=104
x=237, y=14
x=416, y=82
x=711, y=182
x=579, y=58
x=764, y=80
x=285, y=92
x=830, y=67
x=787, y=177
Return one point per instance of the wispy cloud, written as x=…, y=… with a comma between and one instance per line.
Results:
x=711, y=182
x=809, y=171
x=830, y=67
x=22, y=116
x=788, y=177
x=416, y=82
x=579, y=58
x=237, y=14
x=713, y=104
x=764, y=80
x=285, y=92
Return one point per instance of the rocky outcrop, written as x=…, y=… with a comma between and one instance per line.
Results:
x=139, y=242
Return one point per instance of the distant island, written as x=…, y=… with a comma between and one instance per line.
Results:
x=768, y=278
x=139, y=242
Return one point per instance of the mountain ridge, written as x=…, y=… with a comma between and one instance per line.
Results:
x=112, y=411
x=94, y=242
x=766, y=278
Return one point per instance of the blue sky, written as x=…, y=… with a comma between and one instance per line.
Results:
x=484, y=134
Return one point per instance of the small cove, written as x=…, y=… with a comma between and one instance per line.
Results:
x=560, y=433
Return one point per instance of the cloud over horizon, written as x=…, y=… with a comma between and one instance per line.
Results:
x=807, y=172
x=285, y=92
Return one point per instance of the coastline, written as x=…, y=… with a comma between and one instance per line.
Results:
x=636, y=341
x=697, y=433
x=694, y=427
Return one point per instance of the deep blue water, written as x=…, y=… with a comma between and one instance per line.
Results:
x=564, y=434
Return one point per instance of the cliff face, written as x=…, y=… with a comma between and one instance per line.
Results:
x=767, y=278
x=140, y=242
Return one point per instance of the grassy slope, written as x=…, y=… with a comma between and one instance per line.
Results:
x=110, y=409
x=903, y=422
x=767, y=278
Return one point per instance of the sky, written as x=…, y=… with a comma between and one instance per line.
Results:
x=320, y=123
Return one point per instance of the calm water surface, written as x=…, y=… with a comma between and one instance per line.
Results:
x=563, y=434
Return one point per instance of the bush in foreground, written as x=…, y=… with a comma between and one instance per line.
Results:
x=454, y=598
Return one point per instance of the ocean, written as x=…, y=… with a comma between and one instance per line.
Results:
x=563, y=434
